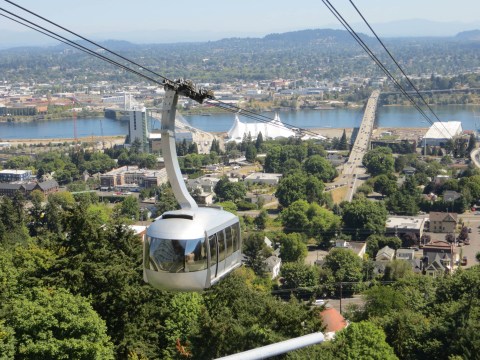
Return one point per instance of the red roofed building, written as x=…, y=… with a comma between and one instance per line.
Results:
x=333, y=322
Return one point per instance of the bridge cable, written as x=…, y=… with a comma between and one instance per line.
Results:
x=374, y=58
x=400, y=68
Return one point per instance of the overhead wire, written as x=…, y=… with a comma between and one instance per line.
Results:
x=365, y=47
x=217, y=103
x=399, y=67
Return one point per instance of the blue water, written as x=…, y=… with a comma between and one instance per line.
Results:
x=392, y=116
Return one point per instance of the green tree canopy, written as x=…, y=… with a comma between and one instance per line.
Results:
x=311, y=219
x=54, y=324
x=292, y=247
x=320, y=167
x=379, y=161
x=344, y=264
x=230, y=191
x=362, y=340
x=365, y=215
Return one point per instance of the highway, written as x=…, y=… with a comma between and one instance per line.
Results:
x=354, y=168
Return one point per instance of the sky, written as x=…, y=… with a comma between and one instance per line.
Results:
x=144, y=21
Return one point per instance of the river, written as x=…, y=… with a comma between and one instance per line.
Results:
x=388, y=116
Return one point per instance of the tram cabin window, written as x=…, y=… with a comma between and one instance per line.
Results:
x=222, y=253
x=175, y=256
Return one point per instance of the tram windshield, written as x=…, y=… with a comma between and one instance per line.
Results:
x=175, y=256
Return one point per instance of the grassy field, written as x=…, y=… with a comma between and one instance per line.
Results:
x=338, y=194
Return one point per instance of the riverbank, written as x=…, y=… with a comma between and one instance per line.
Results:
x=109, y=141
x=330, y=133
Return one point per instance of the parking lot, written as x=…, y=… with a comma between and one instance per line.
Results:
x=471, y=250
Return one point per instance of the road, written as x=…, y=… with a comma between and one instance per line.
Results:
x=354, y=169
x=474, y=155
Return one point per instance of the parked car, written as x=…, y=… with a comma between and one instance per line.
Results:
x=464, y=261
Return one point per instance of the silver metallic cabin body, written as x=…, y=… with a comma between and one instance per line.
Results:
x=187, y=251
x=192, y=248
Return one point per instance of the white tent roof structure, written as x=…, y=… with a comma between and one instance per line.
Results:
x=271, y=129
x=444, y=130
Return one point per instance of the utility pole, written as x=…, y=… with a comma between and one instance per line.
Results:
x=341, y=293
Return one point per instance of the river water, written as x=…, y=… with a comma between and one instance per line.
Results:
x=391, y=116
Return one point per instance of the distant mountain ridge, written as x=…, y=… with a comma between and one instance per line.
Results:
x=297, y=38
x=472, y=35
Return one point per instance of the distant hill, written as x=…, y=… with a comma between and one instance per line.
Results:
x=313, y=35
x=472, y=35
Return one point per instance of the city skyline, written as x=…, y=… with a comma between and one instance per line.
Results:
x=169, y=22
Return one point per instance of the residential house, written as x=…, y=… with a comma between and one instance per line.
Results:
x=333, y=321
x=358, y=247
x=442, y=222
x=405, y=254
x=451, y=196
x=272, y=265
x=440, y=252
x=385, y=254
x=439, y=266
x=409, y=256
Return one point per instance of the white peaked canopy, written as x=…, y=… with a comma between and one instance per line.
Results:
x=271, y=129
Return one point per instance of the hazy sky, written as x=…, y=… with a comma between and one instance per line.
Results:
x=215, y=19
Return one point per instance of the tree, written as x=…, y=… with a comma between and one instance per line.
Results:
x=362, y=340
x=397, y=269
x=472, y=143
x=129, y=207
x=343, y=144
x=297, y=275
x=256, y=251
x=375, y=242
x=54, y=324
x=297, y=186
x=292, y=248
x=250, y=153
x=379, y=161
x=344, y=264
x=229, y=191
x=312, y=219
x=365, y=215
x=259, y=141
x=181, y=322
x=320, y=167
x=261, y=220
x=385, y=185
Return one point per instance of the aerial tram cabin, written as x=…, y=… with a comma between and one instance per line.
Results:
x=193, y=248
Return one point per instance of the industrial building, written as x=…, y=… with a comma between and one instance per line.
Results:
x=440, y=132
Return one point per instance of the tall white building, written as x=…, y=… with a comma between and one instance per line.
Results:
x=138, y=127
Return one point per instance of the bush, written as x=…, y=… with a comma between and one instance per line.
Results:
x=245, y=205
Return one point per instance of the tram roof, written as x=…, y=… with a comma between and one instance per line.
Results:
x=177, y=224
